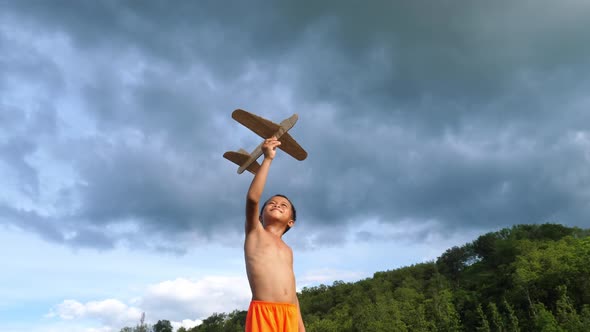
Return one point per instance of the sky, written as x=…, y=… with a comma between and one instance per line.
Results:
x=427, y=124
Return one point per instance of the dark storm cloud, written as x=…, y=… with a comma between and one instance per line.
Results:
x=465, y=114
x=461, y=179
x=153, y=185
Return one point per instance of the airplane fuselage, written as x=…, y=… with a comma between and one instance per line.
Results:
x=285, y=126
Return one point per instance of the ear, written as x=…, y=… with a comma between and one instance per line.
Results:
x=291, y=223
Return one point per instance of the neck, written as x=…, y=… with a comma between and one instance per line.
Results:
x=275, y=229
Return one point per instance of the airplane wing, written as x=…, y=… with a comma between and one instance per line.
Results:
x=265, y=129
x=261, y=126
x=240, y=157
x=289, y=145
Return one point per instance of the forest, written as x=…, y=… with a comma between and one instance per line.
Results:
x=523, y=278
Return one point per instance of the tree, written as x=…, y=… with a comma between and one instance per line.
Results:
x=497, y=323
x=322, y=325
x=381, y=316
x=544, y=320
x=411, y=303
x=512, y=319
x=585, y=316
x=484, y=325
x=513, y=273
x=162, y=326
x=235, y=321
x=454, y=260
x=442, y=311
x=142, y=328
x=567, y=315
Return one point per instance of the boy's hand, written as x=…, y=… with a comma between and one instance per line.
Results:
x=269, y=147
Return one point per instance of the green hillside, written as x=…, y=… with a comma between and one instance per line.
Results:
x=525, y=278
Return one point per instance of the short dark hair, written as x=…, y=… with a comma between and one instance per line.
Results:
x=293, y=211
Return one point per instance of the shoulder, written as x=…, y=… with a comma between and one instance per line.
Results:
x=287, y=247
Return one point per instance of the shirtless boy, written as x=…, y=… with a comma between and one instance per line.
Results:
x=269, y=261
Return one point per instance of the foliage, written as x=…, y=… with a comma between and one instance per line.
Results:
x=137, y=328
x=519, y=279
x=220, y=322
x=162, y=326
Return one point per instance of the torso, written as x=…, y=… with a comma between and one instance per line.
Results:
x=269, y=264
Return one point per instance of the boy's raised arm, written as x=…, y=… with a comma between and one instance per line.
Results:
x=257, y=186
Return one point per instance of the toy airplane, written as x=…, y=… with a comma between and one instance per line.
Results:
x=265, y=129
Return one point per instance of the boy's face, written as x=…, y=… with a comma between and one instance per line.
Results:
x=279, y=208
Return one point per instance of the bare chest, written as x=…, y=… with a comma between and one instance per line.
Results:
x=268, y=249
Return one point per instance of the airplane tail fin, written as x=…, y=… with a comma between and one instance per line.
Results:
x=240, y=157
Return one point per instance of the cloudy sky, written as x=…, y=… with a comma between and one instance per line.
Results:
x=427, y=123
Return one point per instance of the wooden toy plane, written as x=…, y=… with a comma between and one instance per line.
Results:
x=265, y=129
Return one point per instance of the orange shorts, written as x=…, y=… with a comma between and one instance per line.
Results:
x=272, y=317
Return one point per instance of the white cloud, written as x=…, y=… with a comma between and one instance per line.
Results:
x=110, y=312
x=186, y=323
x=182, y=298
x=328, y=276
x=182, y=301
x=101, y=329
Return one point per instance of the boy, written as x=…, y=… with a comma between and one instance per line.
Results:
x=269, y=261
